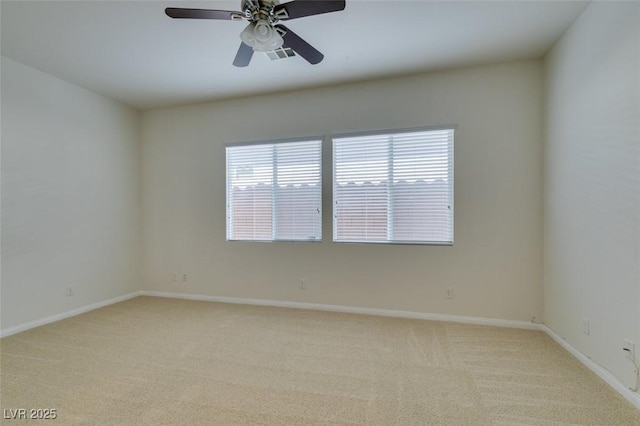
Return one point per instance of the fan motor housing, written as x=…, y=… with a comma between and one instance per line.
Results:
x=257, y=10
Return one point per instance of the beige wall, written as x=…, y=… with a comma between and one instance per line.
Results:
x=592, y=184
x=70, y=196
x=495, y=264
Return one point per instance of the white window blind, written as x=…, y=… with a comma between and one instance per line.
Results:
x=274, y=191
x=394, y=187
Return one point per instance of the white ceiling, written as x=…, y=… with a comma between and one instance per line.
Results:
x=132, y=52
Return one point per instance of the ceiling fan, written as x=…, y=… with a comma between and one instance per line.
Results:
x=264, y=33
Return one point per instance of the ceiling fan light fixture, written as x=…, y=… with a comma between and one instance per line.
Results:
x=264, y=32
x=261, y=36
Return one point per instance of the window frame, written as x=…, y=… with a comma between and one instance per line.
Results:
x=228, y=218
x=390, y=213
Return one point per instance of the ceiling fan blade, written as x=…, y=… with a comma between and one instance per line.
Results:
x=300, y=8
x=301, y=47
x=244, y=55
x=178, y=12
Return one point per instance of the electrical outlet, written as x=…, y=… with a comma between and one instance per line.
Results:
x=302, y=284
x=586, y=329
x=184, y=278
x=629, y=349
x=449, y=293
x=70, y=291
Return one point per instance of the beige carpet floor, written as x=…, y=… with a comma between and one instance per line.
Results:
x=152, y=361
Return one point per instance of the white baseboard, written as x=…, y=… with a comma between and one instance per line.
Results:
x=37, y=323
x=349, y=309
x=599, y=370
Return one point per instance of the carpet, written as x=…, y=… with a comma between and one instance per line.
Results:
x=154, y=361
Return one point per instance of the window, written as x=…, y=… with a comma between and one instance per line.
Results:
x=394, y=187
x=274, y=191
